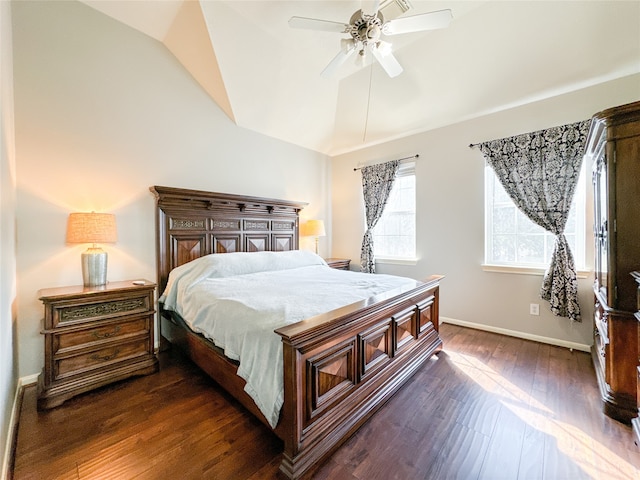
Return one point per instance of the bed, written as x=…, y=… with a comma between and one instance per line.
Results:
x=338, y=366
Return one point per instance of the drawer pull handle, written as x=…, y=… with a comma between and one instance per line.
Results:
x=100, y=336
x=97, y=357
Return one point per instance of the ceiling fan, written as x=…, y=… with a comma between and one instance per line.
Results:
x=368, y=30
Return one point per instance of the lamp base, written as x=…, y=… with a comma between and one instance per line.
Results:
x=94, y=267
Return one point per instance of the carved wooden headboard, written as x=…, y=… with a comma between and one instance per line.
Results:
x=192, y=223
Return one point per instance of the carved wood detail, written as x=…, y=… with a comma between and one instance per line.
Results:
x=255, y=225
x=375, y=348
x=226, y=243
x=405, y=328
x=233, y=225
x=126, y=305
x=282, y=243
x=331, y=374
x=289, y=226
x=186, y=224
x=187, y=248
x=256, y=242
x=427, y=314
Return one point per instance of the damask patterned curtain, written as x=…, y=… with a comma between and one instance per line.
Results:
x=539, y=171
x=377, y=182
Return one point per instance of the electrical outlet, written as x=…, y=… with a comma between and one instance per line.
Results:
x=534, y=309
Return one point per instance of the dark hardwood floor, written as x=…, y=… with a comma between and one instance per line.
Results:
x=488, y=407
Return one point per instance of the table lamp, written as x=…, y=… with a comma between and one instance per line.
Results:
x=92, y=228
x=313, y=228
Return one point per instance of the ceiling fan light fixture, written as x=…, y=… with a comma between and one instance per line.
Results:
x=361, y=58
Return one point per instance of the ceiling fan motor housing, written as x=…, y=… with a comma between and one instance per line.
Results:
x=366, y=28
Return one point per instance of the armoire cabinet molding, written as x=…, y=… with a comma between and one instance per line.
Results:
x=636, y=421
x=613, y=146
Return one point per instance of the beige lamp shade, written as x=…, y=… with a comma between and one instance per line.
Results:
x=313, y=228
x=91, y=228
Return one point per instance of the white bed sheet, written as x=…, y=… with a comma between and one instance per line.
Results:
x=239, y=313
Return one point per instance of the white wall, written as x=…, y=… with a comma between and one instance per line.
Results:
x=8, y=350
x=102, y=113
x=450, y=214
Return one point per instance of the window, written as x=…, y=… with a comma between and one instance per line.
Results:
x=394, y=236
x=511, y=239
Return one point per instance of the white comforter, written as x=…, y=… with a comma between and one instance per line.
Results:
x=237, y=300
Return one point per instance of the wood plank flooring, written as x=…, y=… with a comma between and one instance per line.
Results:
x=488, y=407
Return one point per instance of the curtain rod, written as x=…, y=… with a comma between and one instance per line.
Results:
x=399, y=160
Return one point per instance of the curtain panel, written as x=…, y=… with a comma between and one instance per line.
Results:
x=540, y=171
x=377, y=182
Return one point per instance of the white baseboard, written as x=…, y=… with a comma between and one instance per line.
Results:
x=513, y=333
x=28, y=380
x=12, y=431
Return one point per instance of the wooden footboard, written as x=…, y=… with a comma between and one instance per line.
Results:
x=339, y=368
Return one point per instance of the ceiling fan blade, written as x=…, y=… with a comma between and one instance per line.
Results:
x=387, y=61
x=337, y=61
x=317, y=24
x=418, y=23
x=370, y=7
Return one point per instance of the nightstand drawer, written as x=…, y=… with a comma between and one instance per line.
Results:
x=112, y=331
x=106, y=356
x=72, y=314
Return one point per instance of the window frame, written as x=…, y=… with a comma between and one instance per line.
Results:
x=406, y=169
x=579, y=202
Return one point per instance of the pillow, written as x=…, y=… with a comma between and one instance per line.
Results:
x=242, y=263
x=221, y=265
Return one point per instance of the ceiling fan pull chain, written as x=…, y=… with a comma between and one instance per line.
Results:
x=366, y=120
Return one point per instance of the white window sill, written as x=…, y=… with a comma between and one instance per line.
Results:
x=526, y=270
x=396, y=261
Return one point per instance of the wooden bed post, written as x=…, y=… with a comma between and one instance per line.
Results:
x=291, y=411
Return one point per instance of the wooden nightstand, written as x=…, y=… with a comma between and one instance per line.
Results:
x=94, y=336
x=338, y=263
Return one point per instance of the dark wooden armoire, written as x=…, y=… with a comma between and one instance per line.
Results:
x=614, y=147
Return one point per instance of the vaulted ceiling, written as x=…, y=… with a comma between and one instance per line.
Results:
x=494, y=55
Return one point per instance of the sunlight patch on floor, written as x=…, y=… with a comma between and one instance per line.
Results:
x=595, y=459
